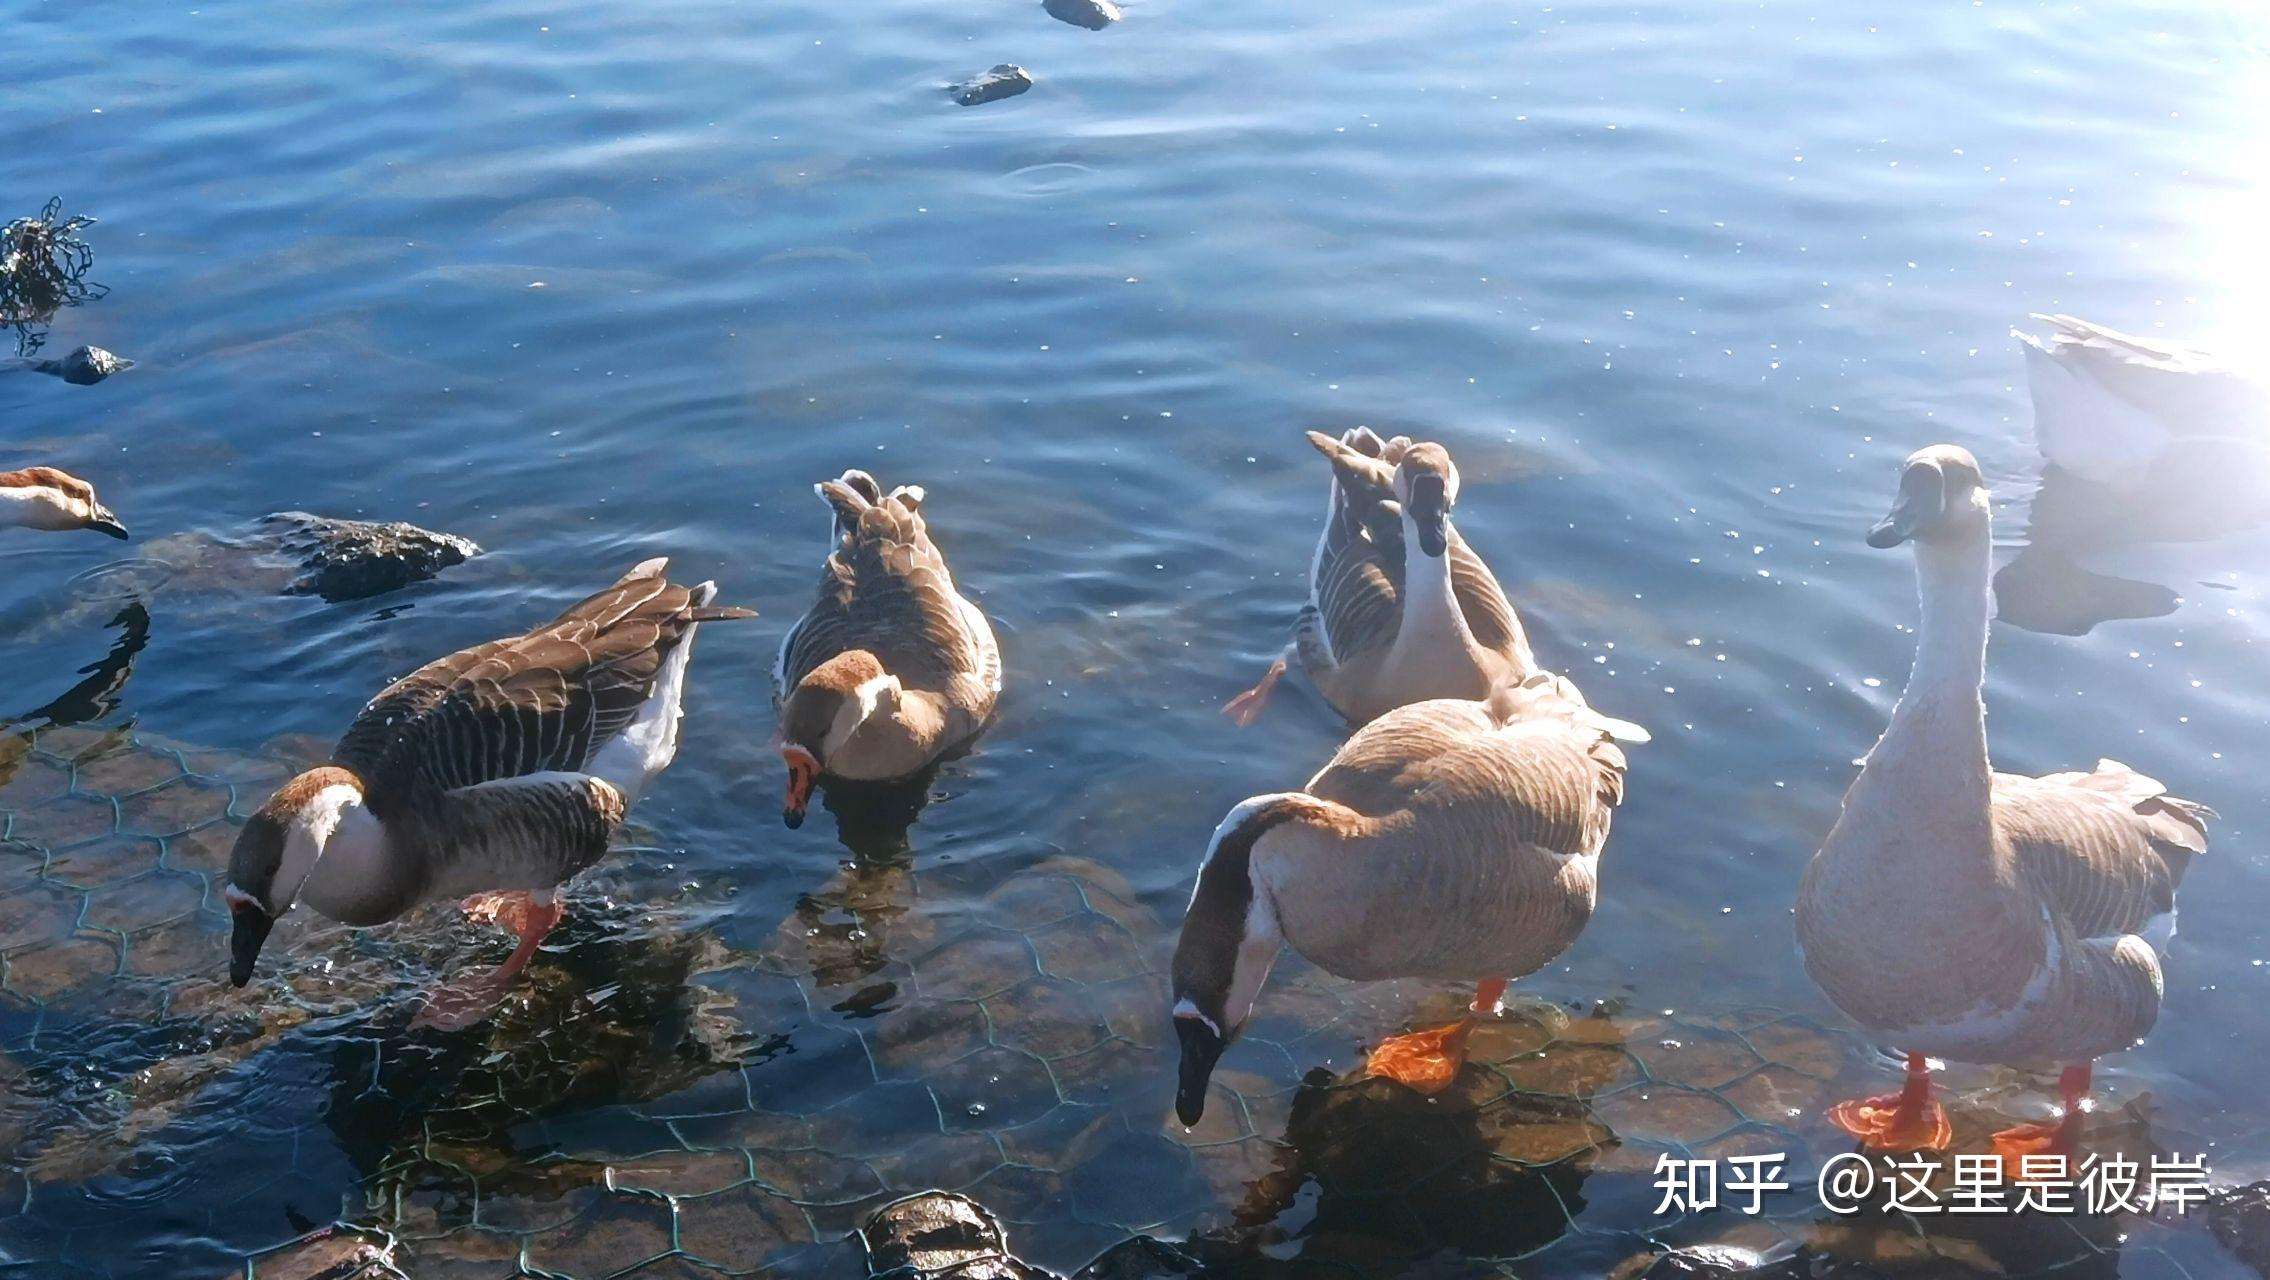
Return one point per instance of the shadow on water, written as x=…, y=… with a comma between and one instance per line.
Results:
x=97, y=695
x=2199, y=492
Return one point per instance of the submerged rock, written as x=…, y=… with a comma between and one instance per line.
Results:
x=1004, y=81
x=2240, y=1218
x=1141, y=1258
x=352, y=559
x=938, y=1234
x=1095, y=15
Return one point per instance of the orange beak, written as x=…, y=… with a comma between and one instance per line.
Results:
x=803, y=772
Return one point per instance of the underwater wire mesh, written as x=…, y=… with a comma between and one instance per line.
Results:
x=43, y=269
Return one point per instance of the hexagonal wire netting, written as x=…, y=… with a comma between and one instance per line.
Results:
x=659, y=1104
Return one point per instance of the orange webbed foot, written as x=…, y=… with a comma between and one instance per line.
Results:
x=1895, y=1122
x=1423, y=1061
x=1246, y=708
x=2018, y=1142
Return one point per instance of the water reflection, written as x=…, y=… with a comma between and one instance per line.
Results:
x=97, y=695
x=2085, y=539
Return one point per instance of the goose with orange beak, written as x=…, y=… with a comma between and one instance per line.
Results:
x=891, y=668
x=1449, y=839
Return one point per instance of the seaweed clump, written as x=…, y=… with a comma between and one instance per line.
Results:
x=43, y=269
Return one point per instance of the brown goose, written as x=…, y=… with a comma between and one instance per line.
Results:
x=1400, y=609
x=1961, y=913
x=1447, y=839
x=504, y=768
x=891, y=668
x=45, y=498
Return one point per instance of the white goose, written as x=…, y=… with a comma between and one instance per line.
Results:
x=891, y=668
x=1448, y=839
x=1961, y=913
x=2107, y=404
x=46, y=498
x=503, y=768
x=1400, y=609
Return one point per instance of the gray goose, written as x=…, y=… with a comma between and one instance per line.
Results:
x=1400, y=609
x=501, y=769
x=1447, y=839
x=891, y=668
x=51, y=499
x=1961, y=913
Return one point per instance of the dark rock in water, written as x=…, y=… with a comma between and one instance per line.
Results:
x=352, y=559
x=1731, y=1262
x=85, y=367
x=1004, y=81
x=1095, y=15
x=2240, y=1217
x=1141, y=1258
x=938, y=1234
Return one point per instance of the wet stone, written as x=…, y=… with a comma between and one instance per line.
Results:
x=139, y=904
x=356, y=559
x=1046, y=1018
x=105, y=862
x=1664, y=1114
x=38, y=914
x=172, y=808
x=47, y=973
x=1087, y=948
x=329, y=1255
x=939, y=1234
x=1141, y=1258
x=975, y=967
x=121, y=773
x=1095, y=15
x=1005, y=80
x=20, y=864
x=83, y=367
x=911, y=1041
x=64, y=821
x=992, y=1088
x=742, y=1227
x=33, y=780
x=683, y=1173
x=180, y=948
x=2240, y=1218
x=615, y=1235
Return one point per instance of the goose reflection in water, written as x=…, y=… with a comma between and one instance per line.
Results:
x=2097, y=553
x=97, y=695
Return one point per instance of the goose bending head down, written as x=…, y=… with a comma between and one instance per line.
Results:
x=1400, y=609
x=891, y=668
x=1448, y=839
x=500, y=771
x=51, y=499
x=1961, y=913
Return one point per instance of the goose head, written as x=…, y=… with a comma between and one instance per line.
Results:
x=1426, y=483
x=1229, y=942
x=820, y=716
x=1942, y=501
x=46, y=498
x=274, y=855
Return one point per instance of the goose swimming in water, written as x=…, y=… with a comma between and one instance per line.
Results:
x=1448, y=839
x=891, y=668
x=1961, y=913
x=1400, y=609
x=2108, y=404
x=504, y=768
x=46, y=498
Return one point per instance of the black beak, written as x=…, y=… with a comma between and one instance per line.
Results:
x=1201, y=1049
x=245, y=939
x=1922, y=500
x=104, y=522
x=1430, y=511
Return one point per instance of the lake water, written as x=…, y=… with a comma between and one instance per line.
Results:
x=1677, y=283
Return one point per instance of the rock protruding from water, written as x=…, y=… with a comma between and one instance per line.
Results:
x=936, y=1235
x=1095, y=15
x=1004, y=81
x=2240, y=1218
x=354, y=559
x=84, y=367
x=1141, y=1258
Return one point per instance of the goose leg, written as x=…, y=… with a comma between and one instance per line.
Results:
x=2019, y=1141
x=461, y=1005
x=1910, y=1120
x=1427, y=1061
x=1245, y=708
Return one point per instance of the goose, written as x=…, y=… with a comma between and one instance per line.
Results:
x=891, y=668
x=1400, y=609
x=1448, y=839
x=500, y=771
x=2108, y=404
x=1960, y=913
x=46, y=498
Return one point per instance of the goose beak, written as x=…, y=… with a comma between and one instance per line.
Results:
x=1201, y=1049
x=1430, y=512
x=1922, y=500
x=247, y=933
x=102, y=521
x=803, y=773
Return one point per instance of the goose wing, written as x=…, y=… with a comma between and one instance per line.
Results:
x=1356, y=581
x=545, y=701
x=886, y=589
x=2105, y=850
